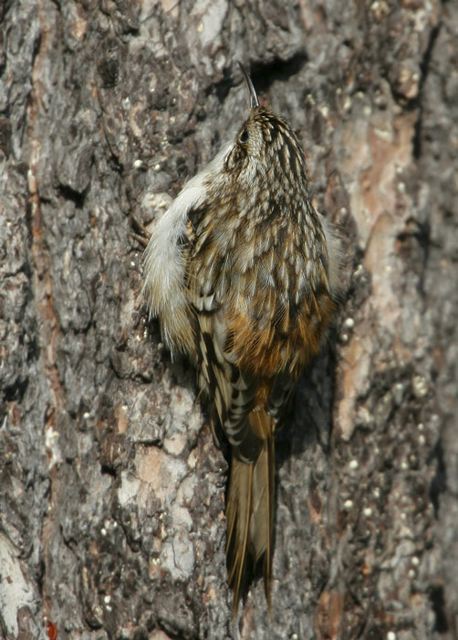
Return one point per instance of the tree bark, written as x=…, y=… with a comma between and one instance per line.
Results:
x=111, y=490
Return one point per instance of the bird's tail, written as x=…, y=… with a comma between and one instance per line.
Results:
x=249, y=509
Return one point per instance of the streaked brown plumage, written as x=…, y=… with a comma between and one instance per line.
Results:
x=242, y=272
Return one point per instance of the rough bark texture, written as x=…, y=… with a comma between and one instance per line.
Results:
x=111, y=490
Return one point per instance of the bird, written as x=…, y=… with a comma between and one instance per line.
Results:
x=243, y=273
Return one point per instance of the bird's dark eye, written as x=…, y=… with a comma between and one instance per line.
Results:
x=243, y=137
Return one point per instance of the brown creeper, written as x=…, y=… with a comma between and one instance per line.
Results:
x=242, y=272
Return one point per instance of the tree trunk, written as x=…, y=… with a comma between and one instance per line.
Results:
x=111, y=489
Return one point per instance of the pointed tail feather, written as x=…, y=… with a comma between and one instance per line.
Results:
x=249, y=510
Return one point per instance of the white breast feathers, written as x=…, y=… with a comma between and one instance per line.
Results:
x=164, y=262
